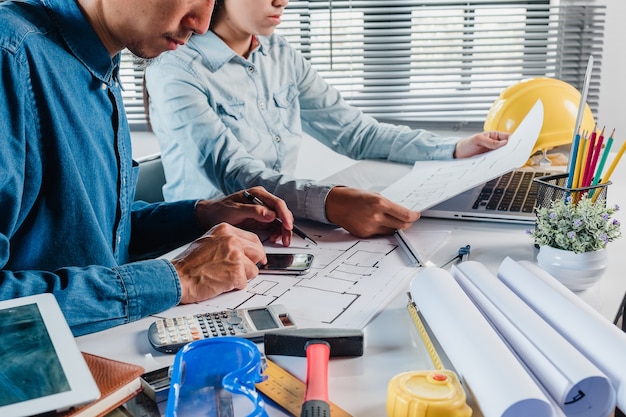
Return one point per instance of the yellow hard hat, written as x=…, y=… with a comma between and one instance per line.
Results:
x=560, y=108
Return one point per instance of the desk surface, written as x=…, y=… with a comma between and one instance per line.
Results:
x=392, y=345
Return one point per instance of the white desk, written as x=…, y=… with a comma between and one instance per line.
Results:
x=392, y=345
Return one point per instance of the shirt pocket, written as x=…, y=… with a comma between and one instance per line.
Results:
x=288, y=108
x=284, y=97
x=234, y=109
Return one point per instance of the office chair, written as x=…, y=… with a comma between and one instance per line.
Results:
x=151, y=179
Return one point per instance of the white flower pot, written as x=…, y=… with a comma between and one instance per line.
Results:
x=577, y=271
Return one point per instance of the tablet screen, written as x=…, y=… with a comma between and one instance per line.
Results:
x=42, y=368
x=22, y=330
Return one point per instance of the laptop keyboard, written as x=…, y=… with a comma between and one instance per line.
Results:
x=514, y=191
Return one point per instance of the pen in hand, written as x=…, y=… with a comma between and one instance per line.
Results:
x=296, y=229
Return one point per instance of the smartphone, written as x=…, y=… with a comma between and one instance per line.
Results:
x=170, y=334
x=287, y=263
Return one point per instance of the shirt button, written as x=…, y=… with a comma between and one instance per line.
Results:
x=276, y=138
x=262, y=105
x=250, y=70
x=103, y=86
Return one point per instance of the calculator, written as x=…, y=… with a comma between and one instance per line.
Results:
x=170, y=334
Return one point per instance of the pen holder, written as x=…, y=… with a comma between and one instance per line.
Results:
x=554, y=187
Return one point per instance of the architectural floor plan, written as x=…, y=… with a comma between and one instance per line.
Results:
x=350, y=281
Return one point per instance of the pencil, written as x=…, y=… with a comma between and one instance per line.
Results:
x=296, y=229
x=572, y=162
x=600, y=168
x=588, y=155
x=582, y=103
x=579, y=159
x=609, y=171
x=596, y=156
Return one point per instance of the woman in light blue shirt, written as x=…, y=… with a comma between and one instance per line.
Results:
x=231, y=107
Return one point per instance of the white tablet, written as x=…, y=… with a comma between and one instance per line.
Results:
x=41, y=367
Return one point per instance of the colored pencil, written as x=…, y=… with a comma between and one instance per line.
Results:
x=600, y=168
x=582, y=162
x=588, y=156
x=609, y=171
x=596, y=157
x=572, y=165
x=578, y=160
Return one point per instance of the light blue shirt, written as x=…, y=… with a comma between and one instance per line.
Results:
x=226, y=123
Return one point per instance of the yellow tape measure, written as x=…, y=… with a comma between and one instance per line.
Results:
x=288, y=391
x=430, y=348
x=430, y=393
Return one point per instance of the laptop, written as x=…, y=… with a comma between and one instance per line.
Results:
x=42, y=368
x=509, y=198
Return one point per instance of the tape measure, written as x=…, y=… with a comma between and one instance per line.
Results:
x=288, y=391
x=421, y=329
x=433, y=393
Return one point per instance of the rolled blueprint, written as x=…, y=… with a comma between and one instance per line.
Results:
x=497, y=380
x=591, y=333
x=576, y=385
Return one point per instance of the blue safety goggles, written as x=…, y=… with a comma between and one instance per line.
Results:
x=216, y=378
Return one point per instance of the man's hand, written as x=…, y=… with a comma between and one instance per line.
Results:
x=223, y=259
x=239, y=211
x=480, y=143
x=365, y=214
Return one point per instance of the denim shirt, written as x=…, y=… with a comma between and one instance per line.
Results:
x=67, y=180
x=225, y=123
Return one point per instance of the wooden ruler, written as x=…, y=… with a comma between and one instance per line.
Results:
x=288, y=391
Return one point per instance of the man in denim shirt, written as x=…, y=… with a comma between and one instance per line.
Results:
x=68, y=224
x=230, y=110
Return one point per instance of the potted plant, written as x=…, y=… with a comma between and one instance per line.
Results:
x=572, y=235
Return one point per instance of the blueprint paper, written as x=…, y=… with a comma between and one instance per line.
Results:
x=586, y=329
x=431, y=182
x=498, y=382
x=577, y=386
x=351, y=279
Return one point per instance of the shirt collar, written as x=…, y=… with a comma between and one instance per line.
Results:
x=82, y=40
x=215, y=53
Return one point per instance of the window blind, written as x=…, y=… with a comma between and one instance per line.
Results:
x=429, y=62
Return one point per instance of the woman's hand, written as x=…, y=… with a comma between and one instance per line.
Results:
x=365, y=213
x=480, y=143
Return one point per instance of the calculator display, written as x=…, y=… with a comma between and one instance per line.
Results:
x=262, y=319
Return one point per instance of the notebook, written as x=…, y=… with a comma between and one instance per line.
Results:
x=509, y=198
x=118, y=383
x=42, y=368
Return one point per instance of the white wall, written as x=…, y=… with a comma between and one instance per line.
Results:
x=612, y=108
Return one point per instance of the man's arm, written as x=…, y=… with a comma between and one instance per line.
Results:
x=95, y=298
x=158, y=228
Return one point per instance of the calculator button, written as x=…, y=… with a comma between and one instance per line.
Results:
x=234, y=320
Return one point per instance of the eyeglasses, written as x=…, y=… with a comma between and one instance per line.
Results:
x=217, y=377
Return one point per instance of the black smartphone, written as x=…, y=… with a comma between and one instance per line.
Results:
x=287, y=263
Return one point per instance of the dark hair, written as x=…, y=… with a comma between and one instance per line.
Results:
x=218, y=11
